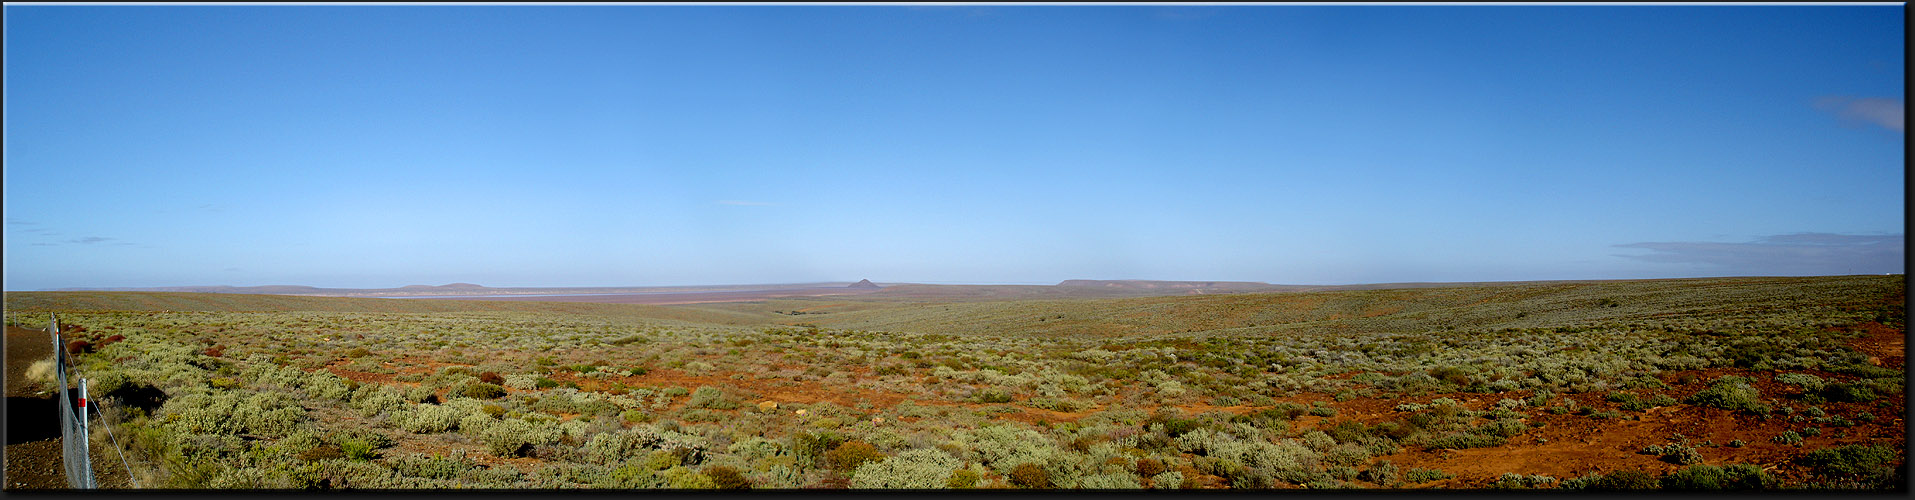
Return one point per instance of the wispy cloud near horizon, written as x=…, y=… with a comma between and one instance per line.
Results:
x=1786, y=254
x=1886, y=112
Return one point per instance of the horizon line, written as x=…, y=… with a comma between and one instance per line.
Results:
x=955, y=283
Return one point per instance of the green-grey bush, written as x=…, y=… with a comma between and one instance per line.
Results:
x=1678, y=453
x=347, y=475
x=430, y=418
x=616, y=446
x=1619, y=480
x=912, y=469
x=373, y=400
x=1848, y=460
x=1418, y=476
x=1709, y=477
x=1462, y=440
x=325, y=386
x=1511, y=480
x=264, y=413
x=1258, y=460
x=452, y=468
x=1731, y=393
x=1808, y=383
x=711, y=397
x=1109, y=481
x=515, y=437
x=686, y=478
x=1788, y=437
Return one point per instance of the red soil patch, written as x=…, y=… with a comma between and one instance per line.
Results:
x=1885, y=345
x=1383, y=311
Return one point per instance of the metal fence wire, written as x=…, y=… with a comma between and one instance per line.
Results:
x=73, y=431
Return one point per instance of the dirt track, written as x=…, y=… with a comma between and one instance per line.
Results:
x=33, y=434
x=33, y=454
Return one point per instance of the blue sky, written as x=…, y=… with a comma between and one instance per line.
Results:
x=377, y=146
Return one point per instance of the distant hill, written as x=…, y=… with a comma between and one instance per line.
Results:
x=865, y=285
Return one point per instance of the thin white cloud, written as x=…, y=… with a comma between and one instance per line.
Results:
x=88, y=240
x=1785, y=255
x=1885, y=112
x=744, y=203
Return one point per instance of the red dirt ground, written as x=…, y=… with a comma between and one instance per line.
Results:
x=1886, y=346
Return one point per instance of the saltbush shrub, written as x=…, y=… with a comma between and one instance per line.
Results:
x=1251, y=462
x=1383, y=473
x=360, y=444
x=1109, y=482
x=1167, y=480
x=1808, y=383
x=922, y=468
x=850, y=455
x=1848, y=460
x=615, y=446
x=1462, y=440
x=1030, y=475
x=726, y=478
x=265, y=413
x=809, y=448
x=1417, y=476
x=484, y=390
x=711, y=397
x=1511, y=480
x=1147, y=467
x=1709, y=477
x=684, y=478
x=1676, y=453
x=1615, y=481
x=993, y=395
x=1788, y=437
x=516, y=437
x=427, y=419
x=1848, y=392
x=961, y=478
x=1731, y=393
x=325, y=386
x=453, y=467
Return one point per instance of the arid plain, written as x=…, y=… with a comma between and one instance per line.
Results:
x=1684, y=384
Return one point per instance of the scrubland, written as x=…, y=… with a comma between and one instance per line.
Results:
x=1734, y=383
